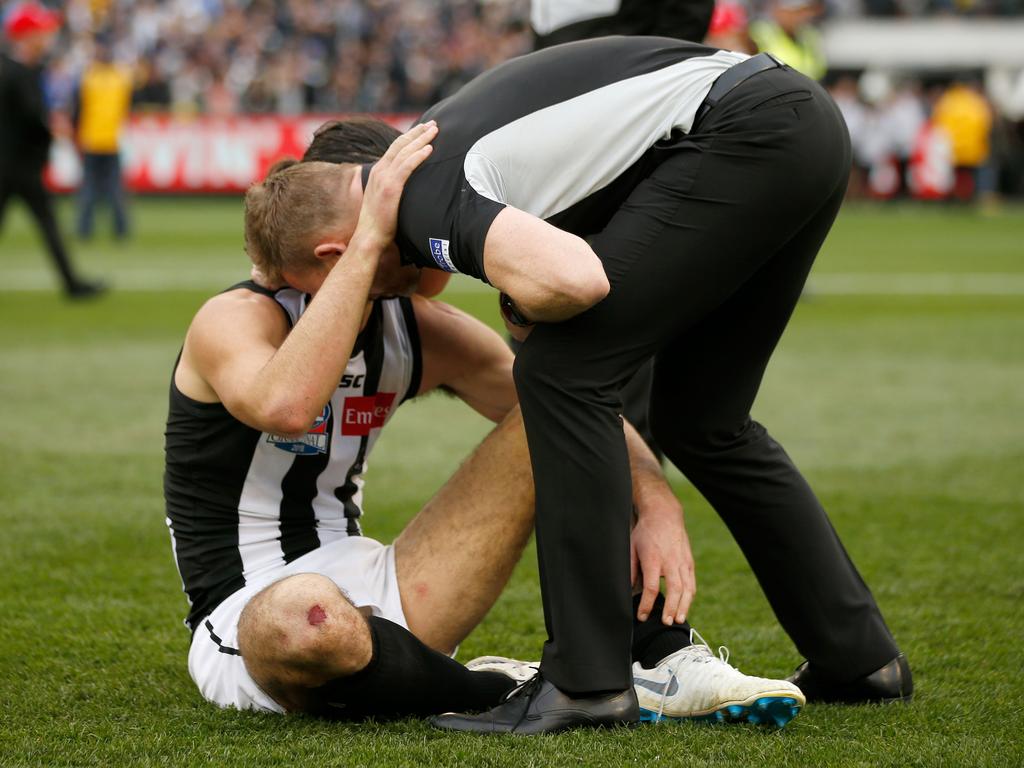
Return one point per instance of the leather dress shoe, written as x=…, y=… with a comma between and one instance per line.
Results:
x=538, y=706
x=893, y=682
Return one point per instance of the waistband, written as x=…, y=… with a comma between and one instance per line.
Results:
x=732, y=77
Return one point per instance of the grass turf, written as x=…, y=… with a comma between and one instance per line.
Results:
x=905, y=409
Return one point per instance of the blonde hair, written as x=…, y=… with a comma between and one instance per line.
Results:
x=287, y=213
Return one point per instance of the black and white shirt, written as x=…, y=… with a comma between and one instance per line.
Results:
x=241, y=503
x=563, y=134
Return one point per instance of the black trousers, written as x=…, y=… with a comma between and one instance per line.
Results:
x=707, y=259
x=29, y=187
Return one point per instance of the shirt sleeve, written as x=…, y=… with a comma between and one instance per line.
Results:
x=443, y=221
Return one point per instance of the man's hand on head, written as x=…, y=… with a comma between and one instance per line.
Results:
x=378, y=217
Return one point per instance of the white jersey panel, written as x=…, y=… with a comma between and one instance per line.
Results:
x=564, y=164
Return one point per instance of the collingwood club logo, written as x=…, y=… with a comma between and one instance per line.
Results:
x=316, y=440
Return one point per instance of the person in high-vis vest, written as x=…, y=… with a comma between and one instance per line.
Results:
x=103, y=103
x=788, y=34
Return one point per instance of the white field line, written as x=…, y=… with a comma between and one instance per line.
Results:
x=168, y=277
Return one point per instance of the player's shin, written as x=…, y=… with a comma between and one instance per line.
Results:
x=405, y=678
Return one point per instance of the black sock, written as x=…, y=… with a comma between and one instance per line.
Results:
x=652, y=640
x=406, y=678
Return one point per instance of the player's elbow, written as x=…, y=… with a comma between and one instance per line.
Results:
x=573, y=291
x=284, y=417
x=591, y=287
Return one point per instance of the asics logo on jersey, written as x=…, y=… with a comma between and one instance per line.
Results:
x=658, y=687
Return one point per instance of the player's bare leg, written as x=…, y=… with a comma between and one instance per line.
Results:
x=456, y=556
x=307, y=646
x=299, y=633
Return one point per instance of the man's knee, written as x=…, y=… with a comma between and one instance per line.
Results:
x=690, y=439
x=300, y=632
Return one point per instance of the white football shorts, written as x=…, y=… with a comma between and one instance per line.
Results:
x=363, y=568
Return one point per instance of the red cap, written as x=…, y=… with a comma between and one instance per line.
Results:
x=30, y=17
x=728, y=17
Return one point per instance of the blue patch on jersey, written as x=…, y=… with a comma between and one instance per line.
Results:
x=440, y=251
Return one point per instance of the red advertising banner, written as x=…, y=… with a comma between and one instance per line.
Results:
x=161, y=153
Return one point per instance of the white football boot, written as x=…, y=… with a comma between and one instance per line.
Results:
x=695, y=684
x=520, y=671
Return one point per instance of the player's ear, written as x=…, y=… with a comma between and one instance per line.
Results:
x=329, y=252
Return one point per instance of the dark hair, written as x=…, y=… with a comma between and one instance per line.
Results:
x=355, y=140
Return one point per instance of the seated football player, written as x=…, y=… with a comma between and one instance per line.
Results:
x=276, y=401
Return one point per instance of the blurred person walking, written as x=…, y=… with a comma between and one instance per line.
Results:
x=788, y=33
x=25, y=135
x=102, y=104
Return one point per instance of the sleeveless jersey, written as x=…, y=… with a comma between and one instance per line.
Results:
x=241, y=503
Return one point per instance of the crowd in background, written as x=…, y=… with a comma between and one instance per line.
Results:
x=292, y=56
x=226, y=57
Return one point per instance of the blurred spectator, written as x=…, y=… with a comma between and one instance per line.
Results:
x=964, y=114
x=101, y=108
x=25, y=135
x=561, y=21
x=858, y=121
x=788, y=32
x=728, y=28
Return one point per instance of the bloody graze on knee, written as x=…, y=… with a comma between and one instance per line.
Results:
x=316, y=615
x=299, y=633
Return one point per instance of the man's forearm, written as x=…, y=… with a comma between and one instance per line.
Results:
x=650, y=488
x=304, y=372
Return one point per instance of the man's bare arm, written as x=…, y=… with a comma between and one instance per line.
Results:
x=550, y=274
x=280, y=384
x=659, y=546
x=463, y=355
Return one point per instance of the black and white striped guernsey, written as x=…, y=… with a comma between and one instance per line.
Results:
x=241, y=503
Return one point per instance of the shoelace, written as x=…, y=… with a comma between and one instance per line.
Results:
x=525, y=688
x=699, y=651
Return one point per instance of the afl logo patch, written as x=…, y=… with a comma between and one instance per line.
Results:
x=440, y=251
x=316, y=440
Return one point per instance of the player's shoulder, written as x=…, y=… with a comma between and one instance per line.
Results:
x=239, y=309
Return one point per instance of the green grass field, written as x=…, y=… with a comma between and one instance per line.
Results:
x=899, y=389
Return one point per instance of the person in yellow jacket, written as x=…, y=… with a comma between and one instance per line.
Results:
x=102, y=107
x=966, y=117
x=788, y=34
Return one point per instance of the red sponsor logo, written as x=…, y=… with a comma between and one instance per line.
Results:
x=361, y=414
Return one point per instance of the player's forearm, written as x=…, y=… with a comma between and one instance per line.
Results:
x=651, y=491
x=302, y=375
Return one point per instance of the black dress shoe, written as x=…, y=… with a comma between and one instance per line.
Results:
x=538, y=706
x=893, y=682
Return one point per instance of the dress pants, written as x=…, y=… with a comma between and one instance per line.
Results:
x=28, y=185
x=706, y=258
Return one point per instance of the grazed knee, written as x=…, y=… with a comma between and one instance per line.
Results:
x=299, y=633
